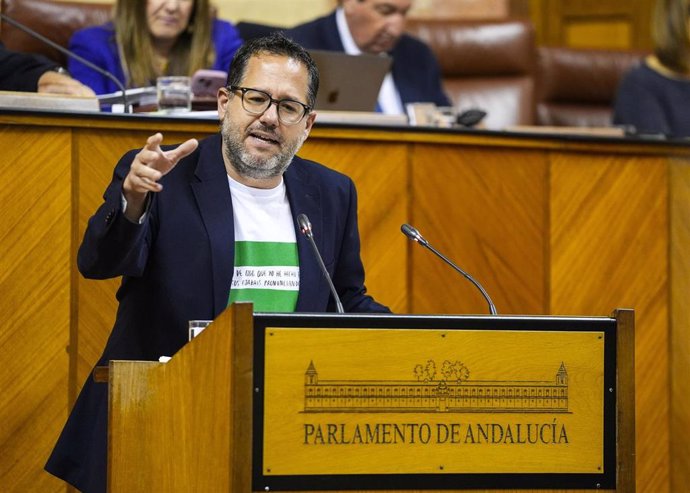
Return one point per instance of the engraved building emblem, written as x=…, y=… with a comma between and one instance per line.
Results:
x=448, y=390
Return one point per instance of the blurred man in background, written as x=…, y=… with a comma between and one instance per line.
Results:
x=378, y=27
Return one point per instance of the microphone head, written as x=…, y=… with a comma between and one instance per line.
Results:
x=413, y=234
x=304, y=224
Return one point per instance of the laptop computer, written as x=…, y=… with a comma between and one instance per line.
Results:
x=349, y=82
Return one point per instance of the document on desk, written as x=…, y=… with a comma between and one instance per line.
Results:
x=40, y=101
x=139, y=95
x=361, y=118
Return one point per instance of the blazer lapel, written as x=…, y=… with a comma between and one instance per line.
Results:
x=305, y=198
x=212, y=194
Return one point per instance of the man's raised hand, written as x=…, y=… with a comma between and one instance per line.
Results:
x=149, y=166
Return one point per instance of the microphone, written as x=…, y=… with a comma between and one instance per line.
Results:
x=305, y=228
x=69, y=54
x=414, y=235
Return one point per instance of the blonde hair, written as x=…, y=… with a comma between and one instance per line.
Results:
x=192, y=51
x=671, y=34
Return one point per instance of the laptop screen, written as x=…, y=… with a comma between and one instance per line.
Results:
x=349, y=82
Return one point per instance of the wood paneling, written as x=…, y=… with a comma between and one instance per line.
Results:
x=548, y=225
x=35, y=207
x=617, y=24
x=679, y=179
x=609, y=248
x=486, y=212
x=616, y=34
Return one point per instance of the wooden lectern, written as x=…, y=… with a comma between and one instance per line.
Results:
x=289, y=402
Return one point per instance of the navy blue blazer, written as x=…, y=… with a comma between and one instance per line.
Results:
x=415, y=70
x=177, y=266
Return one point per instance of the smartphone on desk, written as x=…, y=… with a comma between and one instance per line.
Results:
x=206, y=82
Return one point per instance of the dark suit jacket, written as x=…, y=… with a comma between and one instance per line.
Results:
x=177, y=266
x=21, y=71
x=415, y=70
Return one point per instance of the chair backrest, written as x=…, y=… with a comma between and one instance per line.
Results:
x=487, y=64
x=577, y=87
x=54, y=20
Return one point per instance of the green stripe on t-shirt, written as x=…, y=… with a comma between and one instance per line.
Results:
x=267, y=274
x=265, y=253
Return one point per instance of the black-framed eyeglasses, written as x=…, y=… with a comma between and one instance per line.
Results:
x=256, y=102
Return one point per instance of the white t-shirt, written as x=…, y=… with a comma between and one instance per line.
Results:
x=266, y=259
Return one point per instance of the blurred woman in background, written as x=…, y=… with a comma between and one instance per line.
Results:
x=151, y=38
x=654, y=97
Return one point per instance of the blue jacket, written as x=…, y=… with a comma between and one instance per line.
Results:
x=415, y=70
x=177, y=266
x=97, y=45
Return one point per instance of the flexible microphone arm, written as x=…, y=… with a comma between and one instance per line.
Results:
x=69, y=54
x=305, y=228
x=414, y=235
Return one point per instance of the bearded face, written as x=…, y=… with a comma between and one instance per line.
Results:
x=269, y=154
x=257, y=145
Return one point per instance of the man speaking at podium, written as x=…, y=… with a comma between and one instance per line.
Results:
x=194, y=227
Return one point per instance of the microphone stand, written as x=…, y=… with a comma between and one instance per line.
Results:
x=415, y=235
x=69, y=54
x=305, y=228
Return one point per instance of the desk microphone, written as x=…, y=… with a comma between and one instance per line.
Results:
x=305, y=228
x=414, y=235
x=68, y=53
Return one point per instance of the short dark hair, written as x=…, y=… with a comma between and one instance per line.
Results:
x=274, y=44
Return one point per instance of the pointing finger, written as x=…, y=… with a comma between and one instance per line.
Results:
x=183, y=150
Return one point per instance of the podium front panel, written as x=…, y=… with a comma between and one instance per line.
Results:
x=414, y=402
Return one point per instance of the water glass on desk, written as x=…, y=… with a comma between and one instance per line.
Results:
x=174, y=94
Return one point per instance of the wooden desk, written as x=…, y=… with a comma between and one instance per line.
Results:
x=549, y=225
